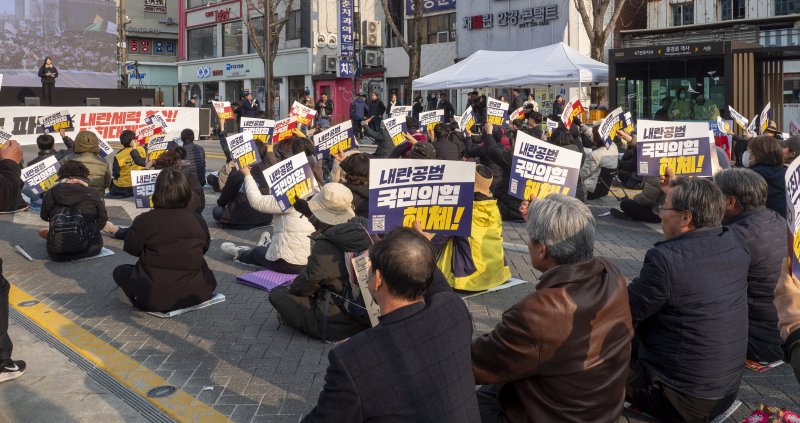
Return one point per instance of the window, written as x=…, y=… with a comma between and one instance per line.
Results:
x=787, y=7
x=202, y=42
x=731, y=9
x=195, y=3
x=232, y=38
x=294, y=26
x=258, y=28
x=682, y=14
x=436, y=29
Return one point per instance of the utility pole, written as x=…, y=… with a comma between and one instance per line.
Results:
x=269, y=100
x=122, y=45
x=355, y=59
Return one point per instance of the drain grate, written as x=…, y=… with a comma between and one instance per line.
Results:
x=141, y=405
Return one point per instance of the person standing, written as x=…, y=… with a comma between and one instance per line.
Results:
x=48, y=73
x=516, y=100
x=324, y=108
x=392, y=103
x=558, y=105
x=417, y=108
x=192, y=102
x=249, y=106
x=445, y=105
x=376, y=111
x=358, y=111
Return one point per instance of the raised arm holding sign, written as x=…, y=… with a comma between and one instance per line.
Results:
x=223, y=109
x=291, y=179
x=539, y=168
x=685, y=147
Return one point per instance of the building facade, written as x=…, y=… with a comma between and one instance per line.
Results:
x=151, y=47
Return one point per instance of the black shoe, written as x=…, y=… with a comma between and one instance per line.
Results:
x=11, y=370
x=619, y=214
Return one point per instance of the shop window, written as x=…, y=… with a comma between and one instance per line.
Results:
x=202, y=42
x=258, y=28
x=232, y=38
x=787, y=7
x=196, y=3
x=731, y=9
x=293, y=25
x=682, y=14
x=436, y=29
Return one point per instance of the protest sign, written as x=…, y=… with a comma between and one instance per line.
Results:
x=794, y=129
x=467, y=120
x=396, y=126
x=336, y=139
x=261, y=129
x=41, y=176
x=157, y=118
x=437, y=193
x=283, y=129
x=551, y=125
x=792, y=180
x=539, y=168
x=223, y=108
x=4, y=136
x=763, y=118
x=516, y=114
x=739, y=119
x=496, y=111
x=358, y=267
x=56, y=122
x=613, y=122
x=157, y=146
x=144, y=184
x=686, y=147
x=105, y=148
x=427, y=120
x=628, y=122
x=291, y=179
x=723, y=127
x=243, y=149
x=305, y=115
x=571, y=109
x=145, y=133
x=401, y=111
x=751, y=127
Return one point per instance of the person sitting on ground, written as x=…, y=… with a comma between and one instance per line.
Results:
x=766, y=159
x=689, y=309
x=562, y=138
x=11, y=177
x=602, y=156
x=480, y=147
x=131, y=157
x=419, y=350
x=645, y=206
x=174, y=158
x=170, y=242
x=195, y=155
x=286, y=248
x=791, y=149
x=314, y=303
x=76, y=215
x=764, y=231
x=354, y=174
x=476, y=263
x=561, y=353
x=46, y=144
x=446, y=148
x=383, y=141
x=787, y=303
x=87, y=151
x=233, y=210
x=412, y=135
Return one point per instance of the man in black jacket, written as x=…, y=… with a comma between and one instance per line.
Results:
x=249, y=106
x=195, y=155
x=324, y=108
x=765, y=234
x=376, y=111
x=447, y=107
x=10, y=177
x=689, y=310
x=415, y=364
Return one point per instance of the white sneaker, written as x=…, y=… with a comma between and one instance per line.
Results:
x=266, y=238
x=233, y=249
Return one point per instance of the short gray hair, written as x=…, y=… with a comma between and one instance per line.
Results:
x=565, y=226
x=746, y=186
x=701, y=198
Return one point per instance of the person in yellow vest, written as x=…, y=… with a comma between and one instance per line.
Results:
x=682, y=107
x=475, y=263
x=131, y=157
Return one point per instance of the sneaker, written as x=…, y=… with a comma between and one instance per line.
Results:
x=43, y=233
x=233, y=249
x=266, y=238
x=11, y=370
x=619, y=214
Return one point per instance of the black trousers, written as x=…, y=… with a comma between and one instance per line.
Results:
x=257, y=256
x=5, y=342
x=47, y=93
x=637, y=211
x=117, y=192
x=357, y=130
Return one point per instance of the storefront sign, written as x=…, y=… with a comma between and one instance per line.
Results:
x=235, y=69
x=148, y=46
x=347, y=50
x=155, y=6
x=671, y=50
x=429, y=6
x=524, y=18
x=224, y=12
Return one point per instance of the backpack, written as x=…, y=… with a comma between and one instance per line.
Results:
x=69, y=232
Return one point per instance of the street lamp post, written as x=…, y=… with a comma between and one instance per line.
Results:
x=122, y=44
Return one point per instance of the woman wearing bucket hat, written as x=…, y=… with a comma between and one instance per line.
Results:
x=316, y=302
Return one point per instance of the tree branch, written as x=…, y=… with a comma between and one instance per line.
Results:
x=395, y=30
x=614, y=19
x=587, y=23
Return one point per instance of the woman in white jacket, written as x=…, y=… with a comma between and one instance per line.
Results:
x=600, y=157
x=287, y=248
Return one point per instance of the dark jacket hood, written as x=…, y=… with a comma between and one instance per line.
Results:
x=359, y=190
x=349, y=236
x=69, y=195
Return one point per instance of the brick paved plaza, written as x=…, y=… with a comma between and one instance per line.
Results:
x=236, y=356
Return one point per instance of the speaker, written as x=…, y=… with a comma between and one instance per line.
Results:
x=147, y=102
x=32, y=101
x=92, y=101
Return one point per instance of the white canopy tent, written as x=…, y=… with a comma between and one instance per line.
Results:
x=553, y=64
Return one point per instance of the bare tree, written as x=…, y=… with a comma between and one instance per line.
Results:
x=598, y=31
x=276, y=26
x=412, y=48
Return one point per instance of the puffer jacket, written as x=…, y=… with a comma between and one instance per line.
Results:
x=652, y=195
x=765, y=234
x=448, y=150
x=360, y=198
x=689, y=309
x=196, y=156
x=776, y=186
x=236, y=208
x=99, y=173
x=290, y=233
x=80, y=196
x=603, y=157
x=561, y=354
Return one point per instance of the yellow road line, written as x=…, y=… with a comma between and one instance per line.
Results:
x=127, y=371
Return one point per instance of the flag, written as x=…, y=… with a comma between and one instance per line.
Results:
x=96, y=25
x=111, y=28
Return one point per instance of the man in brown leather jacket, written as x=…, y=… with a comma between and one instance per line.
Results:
x=561, y=353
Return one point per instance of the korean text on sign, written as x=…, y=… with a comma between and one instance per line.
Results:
x=334, y=140
x=41, y=176
x=290, y=179
x=4, y=136
x=105, y=148
x=572, y=109
x=57, y=121
x=467, y=120
x=401, y=111
x=496, y=111
x=223, y=108
x=792, y=180
x=144, y=184
x=610, y=125
x=396, y=126
x=683, y=146
x=283, y=129
x=157, y=146
x=428, y=120
x=539, y=169
x=243, y=149
x=304, y=115
x=437, y=193
x=261, y=129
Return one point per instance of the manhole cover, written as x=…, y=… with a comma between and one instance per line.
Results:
x=161, y=391
x=28, y=303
